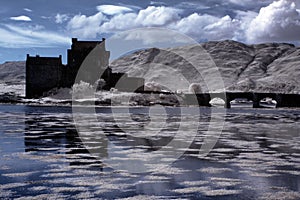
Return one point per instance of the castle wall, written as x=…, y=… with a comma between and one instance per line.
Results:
x=68, y=76
x=42, y=75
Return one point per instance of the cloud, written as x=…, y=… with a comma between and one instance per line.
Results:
x=247, y=3
x=160, y=3
x=21, y=18
x=119, y=23
x=86, y=27
x=147, y=37
x=193, y=23
x=113, y=10
x=244, y=18
x=223, y=28
x=91, y=26
x=157, y=16
x=196, y=5
x=279, y=21
x=207, y=27
x=151, y=16
x=27, y=9
x=20, y=37
x=60, y=18
x=200, y=27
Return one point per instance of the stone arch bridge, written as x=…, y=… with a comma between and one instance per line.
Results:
x=203, y=99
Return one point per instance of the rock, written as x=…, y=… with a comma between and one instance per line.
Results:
x=10, y=98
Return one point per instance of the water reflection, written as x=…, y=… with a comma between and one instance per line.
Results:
x=256, y=157
x=52, y=133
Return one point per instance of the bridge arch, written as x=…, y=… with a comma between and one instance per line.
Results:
x=205, y=99
x=266, y=100
x=230, y=96
x=242, y=102
x=217, y=101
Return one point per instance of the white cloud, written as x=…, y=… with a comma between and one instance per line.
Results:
x=27, y=9
x=157, y=16
x=158, y=3
x=89, y=27
x=239, y=2
x=200, y=27
x=244, y=18
x=45, y=17
x=247, y=3
x=151, y=16
x=193, y=23
x=153, y=36
x=86, y=27
x=280, y=21
x=196, y=5
x=207, y=27
x=112, y=9
x=119, y=23
x=7, y=37
x=20, y=37
x=223, y=28
x=21, y=18
x=60, y=18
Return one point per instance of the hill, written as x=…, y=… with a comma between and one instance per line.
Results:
x=12, y=72
x=269, y=67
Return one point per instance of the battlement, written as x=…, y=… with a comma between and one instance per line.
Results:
x=38, y=60
x=83, y=45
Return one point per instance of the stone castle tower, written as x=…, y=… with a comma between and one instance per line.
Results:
x=46, y=73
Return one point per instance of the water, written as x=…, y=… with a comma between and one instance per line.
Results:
x=257, y=156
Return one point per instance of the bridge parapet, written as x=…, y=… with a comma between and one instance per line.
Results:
x=203, y=99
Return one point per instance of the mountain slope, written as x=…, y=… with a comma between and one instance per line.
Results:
x=12, y=72
x=270, y=67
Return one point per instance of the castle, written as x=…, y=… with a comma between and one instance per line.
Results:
x=46, y=73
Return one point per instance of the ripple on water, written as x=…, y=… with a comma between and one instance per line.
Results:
x=187, y=190
x=289, y=195
x=214, y=170
x=257, y=152
x=221, y=192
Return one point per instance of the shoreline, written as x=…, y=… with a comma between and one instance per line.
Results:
x=217, y=99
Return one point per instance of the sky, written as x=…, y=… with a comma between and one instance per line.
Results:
x=46, y=27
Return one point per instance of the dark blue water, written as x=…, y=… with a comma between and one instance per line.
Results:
x=43, y=154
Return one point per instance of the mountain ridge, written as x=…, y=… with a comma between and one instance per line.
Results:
x=266, y=67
